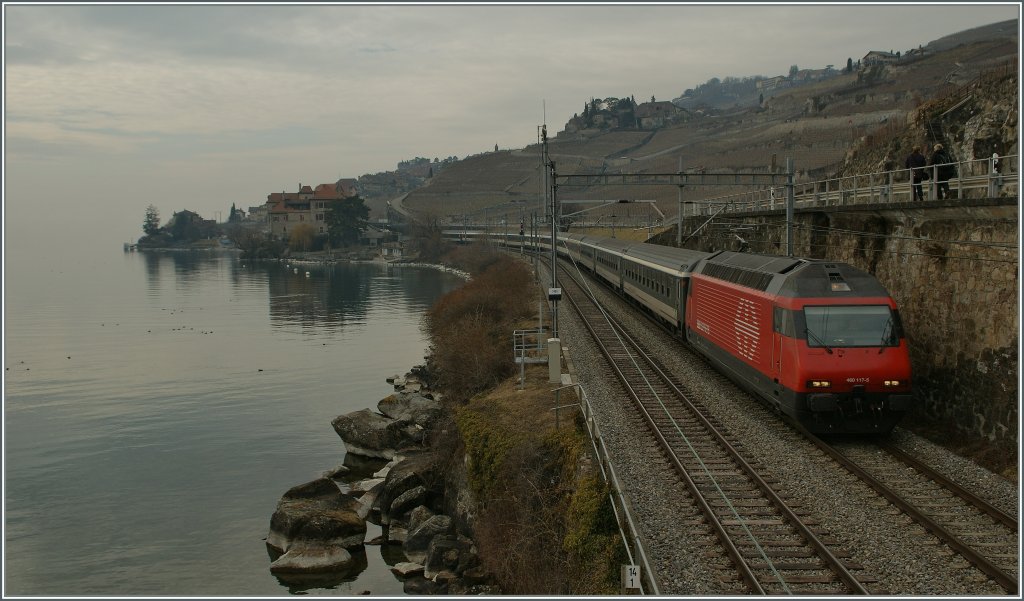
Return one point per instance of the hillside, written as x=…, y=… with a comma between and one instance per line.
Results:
x=819, y=125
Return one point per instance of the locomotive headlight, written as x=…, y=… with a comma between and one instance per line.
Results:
x=893, y=383
x=819, y=383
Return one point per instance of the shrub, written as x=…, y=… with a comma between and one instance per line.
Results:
x=301, y=237
x=474, y=258
x=471, y=328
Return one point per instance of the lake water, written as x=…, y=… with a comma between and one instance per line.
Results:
x=157, y=406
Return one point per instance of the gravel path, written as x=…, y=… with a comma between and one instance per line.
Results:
x=905, y=559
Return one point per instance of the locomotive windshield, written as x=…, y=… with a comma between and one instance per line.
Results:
x=851, y=325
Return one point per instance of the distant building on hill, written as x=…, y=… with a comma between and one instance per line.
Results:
x=878, y=57
x=653, y=115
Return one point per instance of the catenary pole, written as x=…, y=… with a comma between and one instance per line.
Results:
x=679, y=218
x=790, y=201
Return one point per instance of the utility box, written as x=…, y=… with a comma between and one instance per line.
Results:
x=554, y=361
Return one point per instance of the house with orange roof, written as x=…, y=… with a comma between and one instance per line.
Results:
x=287, y=210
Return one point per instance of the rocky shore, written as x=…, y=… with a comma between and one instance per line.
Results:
x=319, y=527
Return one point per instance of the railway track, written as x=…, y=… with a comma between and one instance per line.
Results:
x=982, y=534
x=774, y=546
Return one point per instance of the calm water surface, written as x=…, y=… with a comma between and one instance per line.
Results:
x=157, y=406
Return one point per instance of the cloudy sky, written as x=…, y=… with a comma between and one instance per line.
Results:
x=111, y=108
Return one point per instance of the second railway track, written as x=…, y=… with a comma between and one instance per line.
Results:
x=983, y=535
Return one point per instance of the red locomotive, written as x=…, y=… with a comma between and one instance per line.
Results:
x=819, y=340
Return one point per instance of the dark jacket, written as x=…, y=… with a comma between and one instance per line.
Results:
x=945, y=170
x=916, y=161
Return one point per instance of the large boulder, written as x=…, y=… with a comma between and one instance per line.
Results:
x=374, y=435
x=417, y=470
x=406, y=502
x=422, y=537
x=315, y=528
x=412, y=407
x=407, y=569
x=449, y=553
x=419, y=515
x=299, y=581
x=303, y=558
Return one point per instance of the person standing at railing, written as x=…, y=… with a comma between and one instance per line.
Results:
x=916, y=163
x=945, y=170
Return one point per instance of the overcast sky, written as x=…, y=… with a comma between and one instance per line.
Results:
x=111, y=108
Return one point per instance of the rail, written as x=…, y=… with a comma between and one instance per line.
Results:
x=978, y=178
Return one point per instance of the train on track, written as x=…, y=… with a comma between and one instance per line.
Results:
x=820, y=341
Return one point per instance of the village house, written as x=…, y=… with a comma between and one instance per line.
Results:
x=771, y=83
x=652, y=115
x=879, y=57
x=286, y=210
x=258, y=214
x=811, y=75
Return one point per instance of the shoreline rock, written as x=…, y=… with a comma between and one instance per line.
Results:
x=315, y=528
x=319, y=527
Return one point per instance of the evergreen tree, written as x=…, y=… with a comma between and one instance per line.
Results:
x=849, y=65
x=345, y=220
x=151, y=224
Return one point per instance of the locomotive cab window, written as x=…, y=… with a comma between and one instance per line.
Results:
x=851, y=325
x=783, y=322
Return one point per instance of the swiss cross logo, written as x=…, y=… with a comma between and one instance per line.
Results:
x=745, y=328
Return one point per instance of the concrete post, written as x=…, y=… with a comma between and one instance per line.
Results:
x=554, y=361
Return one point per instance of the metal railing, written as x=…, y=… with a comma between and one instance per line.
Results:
x=620, y=505
x=529, y=346
x=978, y=178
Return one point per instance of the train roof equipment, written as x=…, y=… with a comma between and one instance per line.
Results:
x=792, y=277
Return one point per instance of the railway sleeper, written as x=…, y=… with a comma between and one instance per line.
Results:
x=995, y=545
x=786, y=565
x=976, y=534
x=791, y=539
x=753, y=553
x=783, y=549
x=759, y=501
x=748, y=514
x=741, y=494
x=800, y=579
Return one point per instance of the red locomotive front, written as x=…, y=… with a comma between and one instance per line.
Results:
x=843, y=367
x=820, y=341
